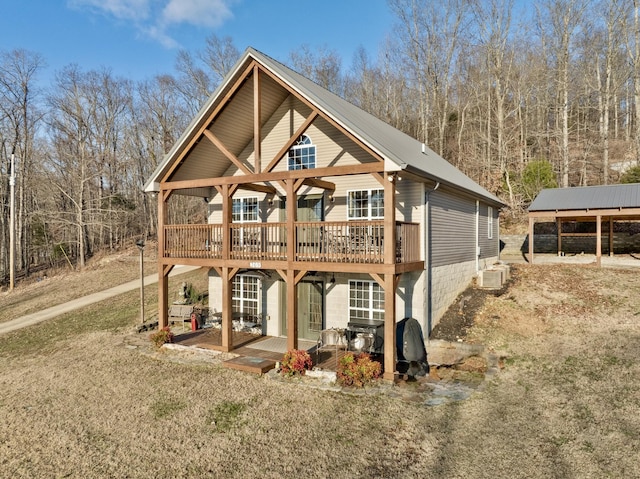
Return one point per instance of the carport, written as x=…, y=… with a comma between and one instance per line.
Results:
x=599, y=204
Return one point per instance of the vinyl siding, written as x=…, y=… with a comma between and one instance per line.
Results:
x=332, y=146
x=408, y=197
x=453, y=228
x=488, y=247
x=409, y=202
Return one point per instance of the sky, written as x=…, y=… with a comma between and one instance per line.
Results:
x=138, y=39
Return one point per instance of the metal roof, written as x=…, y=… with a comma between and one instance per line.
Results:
x=403, y=151
x=588, y=197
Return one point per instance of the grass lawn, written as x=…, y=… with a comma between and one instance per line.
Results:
x=83, y=396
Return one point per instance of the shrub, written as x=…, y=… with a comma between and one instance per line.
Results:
x=536, y=176
x=295, y=362
x=162, y=336
x=632, y=175
x=357, y=370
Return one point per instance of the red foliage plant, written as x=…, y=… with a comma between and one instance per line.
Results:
x=357, y=370
x=162, y=336
x=295, y=362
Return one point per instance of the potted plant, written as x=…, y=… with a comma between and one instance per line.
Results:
x=295, y=362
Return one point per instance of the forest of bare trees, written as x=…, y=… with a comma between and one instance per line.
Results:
x=517, y=99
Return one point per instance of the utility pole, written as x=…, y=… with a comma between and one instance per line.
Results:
x=140, y=245
x=12, y=224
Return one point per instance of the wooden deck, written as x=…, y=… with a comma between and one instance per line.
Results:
x=212, y=339
x=353, y=241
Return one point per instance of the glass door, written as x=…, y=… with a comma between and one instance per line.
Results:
x=310, y=309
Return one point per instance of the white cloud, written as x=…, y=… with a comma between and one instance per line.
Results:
x=207, y=13
x=160, y=36
x=153, y=18
x=121, y=9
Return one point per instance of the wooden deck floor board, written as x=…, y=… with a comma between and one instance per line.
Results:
x=212, y=339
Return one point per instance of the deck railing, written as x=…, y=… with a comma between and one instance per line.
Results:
x=343, y=241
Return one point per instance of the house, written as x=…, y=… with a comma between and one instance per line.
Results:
x=589, y=206
x=320, y=215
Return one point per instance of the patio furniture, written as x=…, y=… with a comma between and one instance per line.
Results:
x=180, y=313
x=332, y=340
x=241, y=321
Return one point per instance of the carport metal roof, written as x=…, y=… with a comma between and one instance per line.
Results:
x=587, y=198
x=613, y=202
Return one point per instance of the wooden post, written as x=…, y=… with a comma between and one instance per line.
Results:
x=390, y=220
x=226, y=276
x=163, y=273
x=598, y=240
x=559, y=229
x=292, y=310
x=227, y=326
x=531, y=223
x=610, y=235
x=389, y=327
x=292, y=297
x=226, y=223
x=257, y=108
x=389, y=278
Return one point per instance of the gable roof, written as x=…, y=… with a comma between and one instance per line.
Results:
x=399, y=150
x=588, y=198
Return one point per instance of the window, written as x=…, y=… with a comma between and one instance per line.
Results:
x=366, y=300
x=490, y=222
x=302, y=155
x=365, y=204
x=245, y=294
x=245, y=210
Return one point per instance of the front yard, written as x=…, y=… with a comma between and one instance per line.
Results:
x=80, y=400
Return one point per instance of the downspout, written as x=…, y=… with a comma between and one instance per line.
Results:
x=427, y=287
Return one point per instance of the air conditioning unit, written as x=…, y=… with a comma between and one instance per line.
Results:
x=491, y=278
x=494, y=277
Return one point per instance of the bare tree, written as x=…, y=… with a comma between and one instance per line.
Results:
x=322, y=66
x=558, y=22
x=195, y=84
x=430, y=36
x=90, y=164
x=380, y=90
x=632, y=30
x=494, y=21
x=220, y=54
x=604, y=39
x=158, y=117
x=200, y=73
x=20, y=115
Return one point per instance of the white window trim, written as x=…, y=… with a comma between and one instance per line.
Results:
x=298, y=146
x=370, y=310
x=490, y=222
x=241, y=298
x=242, y=209
x=369, y=215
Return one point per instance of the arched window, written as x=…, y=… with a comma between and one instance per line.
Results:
x=302, y=155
